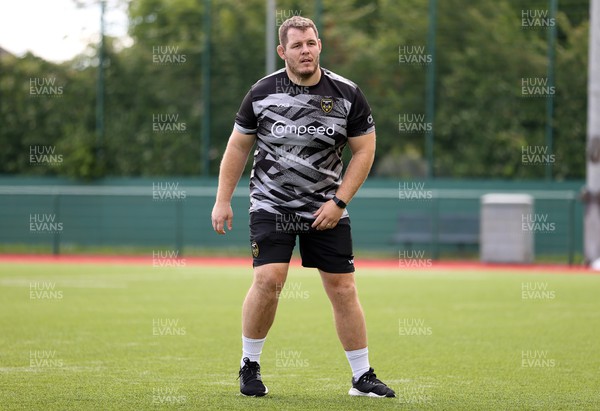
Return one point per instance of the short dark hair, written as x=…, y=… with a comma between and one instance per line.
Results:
x=296, y=22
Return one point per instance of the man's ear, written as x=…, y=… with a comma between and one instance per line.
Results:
x=281, y=52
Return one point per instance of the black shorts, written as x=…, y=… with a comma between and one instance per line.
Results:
x=273, y=238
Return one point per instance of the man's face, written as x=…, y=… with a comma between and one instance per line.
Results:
x=301, y=52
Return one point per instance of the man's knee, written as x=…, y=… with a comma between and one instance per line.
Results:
x=270, y=277
x=340, y=286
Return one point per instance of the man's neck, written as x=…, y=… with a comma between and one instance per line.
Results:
x=310, y=81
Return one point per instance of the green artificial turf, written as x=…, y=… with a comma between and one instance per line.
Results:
x=142, y=337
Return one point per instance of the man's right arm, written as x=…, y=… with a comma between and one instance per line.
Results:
x=232, y=167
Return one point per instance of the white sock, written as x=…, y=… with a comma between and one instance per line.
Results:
x=252, y=348
x=359, y=361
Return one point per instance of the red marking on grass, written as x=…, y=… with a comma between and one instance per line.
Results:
x=117, y=259
x=479, y=266
x=247, y=262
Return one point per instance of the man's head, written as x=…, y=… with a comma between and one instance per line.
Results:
x=296, y=22
x=299, y=46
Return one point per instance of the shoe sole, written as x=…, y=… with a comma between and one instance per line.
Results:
x=356, y=393
x=257, y=395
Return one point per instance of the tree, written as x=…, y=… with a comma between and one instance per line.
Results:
x=154, y=88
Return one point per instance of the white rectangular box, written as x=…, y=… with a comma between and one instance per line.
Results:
x=502, y=237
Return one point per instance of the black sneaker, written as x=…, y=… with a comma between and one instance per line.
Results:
x=369, y=386
x=251, y=384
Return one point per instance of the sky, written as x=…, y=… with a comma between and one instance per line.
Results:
x=56, y=30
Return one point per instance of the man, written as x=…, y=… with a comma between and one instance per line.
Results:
x=301, y=117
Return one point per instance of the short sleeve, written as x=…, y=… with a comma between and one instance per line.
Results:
x=245, y=119
x=360, y=119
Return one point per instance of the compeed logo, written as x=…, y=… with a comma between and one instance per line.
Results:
x=281, y=129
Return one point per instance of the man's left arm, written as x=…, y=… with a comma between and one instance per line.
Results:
x=363, y=154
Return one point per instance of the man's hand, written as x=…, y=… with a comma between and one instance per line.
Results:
x=221, y=214
x=327, y=215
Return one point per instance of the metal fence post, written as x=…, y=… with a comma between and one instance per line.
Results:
x=179, y=227
x=571, y=230
x=56, y=235
x=430, y=87
x=435, y=227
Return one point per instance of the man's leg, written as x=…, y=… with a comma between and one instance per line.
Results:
x=258, y=313
x=260, y=305
x=348, y=314
x=352, y=332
